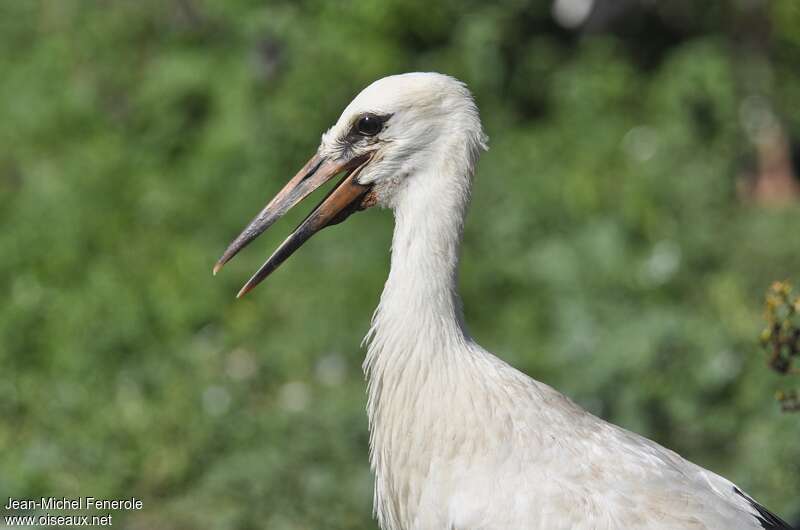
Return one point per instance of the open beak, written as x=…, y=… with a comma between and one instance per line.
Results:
x=347, y=197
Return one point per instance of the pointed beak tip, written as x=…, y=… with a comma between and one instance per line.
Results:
x=216, y=268
x=243, y=291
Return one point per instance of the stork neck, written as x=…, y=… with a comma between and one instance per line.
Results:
x=420, y=303
x=418, y=339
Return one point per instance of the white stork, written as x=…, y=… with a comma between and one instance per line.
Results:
x=460, y=440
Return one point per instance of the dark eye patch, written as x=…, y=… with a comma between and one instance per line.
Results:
x=368, y=124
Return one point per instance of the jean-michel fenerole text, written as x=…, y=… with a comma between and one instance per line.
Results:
x=77, y=503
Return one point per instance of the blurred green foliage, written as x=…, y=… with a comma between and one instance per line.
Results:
x=607, y=251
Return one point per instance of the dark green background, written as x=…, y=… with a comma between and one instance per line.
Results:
x=612, y=249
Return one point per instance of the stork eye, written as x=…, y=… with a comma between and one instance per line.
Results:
x=369, y=125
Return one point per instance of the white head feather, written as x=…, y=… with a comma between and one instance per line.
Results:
x=429, y=116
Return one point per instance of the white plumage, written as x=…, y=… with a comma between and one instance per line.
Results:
x=459, y=439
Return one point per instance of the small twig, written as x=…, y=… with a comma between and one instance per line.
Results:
x=781, y=338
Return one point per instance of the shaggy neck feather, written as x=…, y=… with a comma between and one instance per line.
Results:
x=418, y=345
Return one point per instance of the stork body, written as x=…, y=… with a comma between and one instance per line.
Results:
x=460, y=440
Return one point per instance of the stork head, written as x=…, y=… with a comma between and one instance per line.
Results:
x=394, y=129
